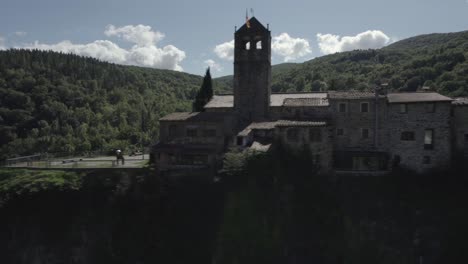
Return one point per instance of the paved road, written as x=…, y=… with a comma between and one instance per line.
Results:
x=87, y=163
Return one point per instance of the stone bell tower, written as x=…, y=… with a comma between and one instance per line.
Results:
x=252, y=72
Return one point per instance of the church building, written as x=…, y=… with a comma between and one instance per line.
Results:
x=363, y=131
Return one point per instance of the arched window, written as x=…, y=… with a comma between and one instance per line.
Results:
x=258, y=45
x=247, y=45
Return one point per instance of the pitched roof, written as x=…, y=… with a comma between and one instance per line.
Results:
x=221, y=101
x=306, y=102
x=276, y=99
x=351, y=94
x=417, y=97
x=279, y=123
x=460, y=101
x=294, y=123
x=195, y=116
x=255, y=26
x=257, y=125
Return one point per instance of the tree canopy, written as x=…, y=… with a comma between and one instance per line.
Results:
x=205, y=93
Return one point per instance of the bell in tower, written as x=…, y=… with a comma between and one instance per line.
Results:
x=252, y=72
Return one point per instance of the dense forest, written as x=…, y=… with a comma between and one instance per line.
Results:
x=53, y=102
x=438, y=61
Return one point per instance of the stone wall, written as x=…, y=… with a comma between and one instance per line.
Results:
x=353, y=122
x=323, y=147
x=300, y=113
x=412, y=153
x=460, y=129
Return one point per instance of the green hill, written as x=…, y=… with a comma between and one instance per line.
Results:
x=435, y=60
x=66, y=103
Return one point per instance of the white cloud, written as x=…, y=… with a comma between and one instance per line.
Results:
x=20, y=33
x=145, y=52
x=141, y=35
x=225, y=50
x=100, y=49
x=213, y=65
x=371, y=39
x=283, y=45
x=290, y=48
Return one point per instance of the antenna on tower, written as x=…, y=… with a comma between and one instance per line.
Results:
x=252, y=12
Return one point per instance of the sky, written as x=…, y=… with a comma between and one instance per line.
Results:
x=189, y=36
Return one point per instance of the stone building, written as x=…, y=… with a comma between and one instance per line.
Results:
x=344, y=130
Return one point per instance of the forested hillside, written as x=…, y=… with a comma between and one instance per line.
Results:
x=66, y=103
x=435, y=60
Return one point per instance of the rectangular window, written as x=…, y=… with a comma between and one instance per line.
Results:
x=426, y=160
x=364, y=107
x=407, y=135
x=191, y=132
x=428, y=139
x=466, y=138
x=340, y=132
x=365, y=133
x=315, y=135
x=292, y=134
x=430, y=108
x=209, y=133
x=403, y=108
x=342, y=107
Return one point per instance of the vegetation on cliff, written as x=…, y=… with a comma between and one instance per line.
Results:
x=23, y=183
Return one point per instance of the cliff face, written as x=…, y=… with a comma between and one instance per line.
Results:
x=113, y=218
x=262, y=215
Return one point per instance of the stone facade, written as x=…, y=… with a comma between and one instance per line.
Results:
x=460, y=126
x=252, y=72
x=420, y=137
x=343, y=130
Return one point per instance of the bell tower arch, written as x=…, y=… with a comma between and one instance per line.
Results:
x=252, y=72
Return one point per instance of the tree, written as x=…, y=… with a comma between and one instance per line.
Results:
x=204, y=94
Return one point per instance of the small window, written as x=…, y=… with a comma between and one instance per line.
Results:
x=191, y=132
x=365, y=133
x=342, y=107
x=407, y=136
x=430, y=108
x=426, y=160
x=364, y=107
x=259, y=45
x=315, y=135
x=292, y=135
x=209, y=133
x=403, y=108
x=247, y=45
x=340, y=132
x=428, y=139
x=466, y=138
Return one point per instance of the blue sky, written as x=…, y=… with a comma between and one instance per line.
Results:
x=189, y=35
